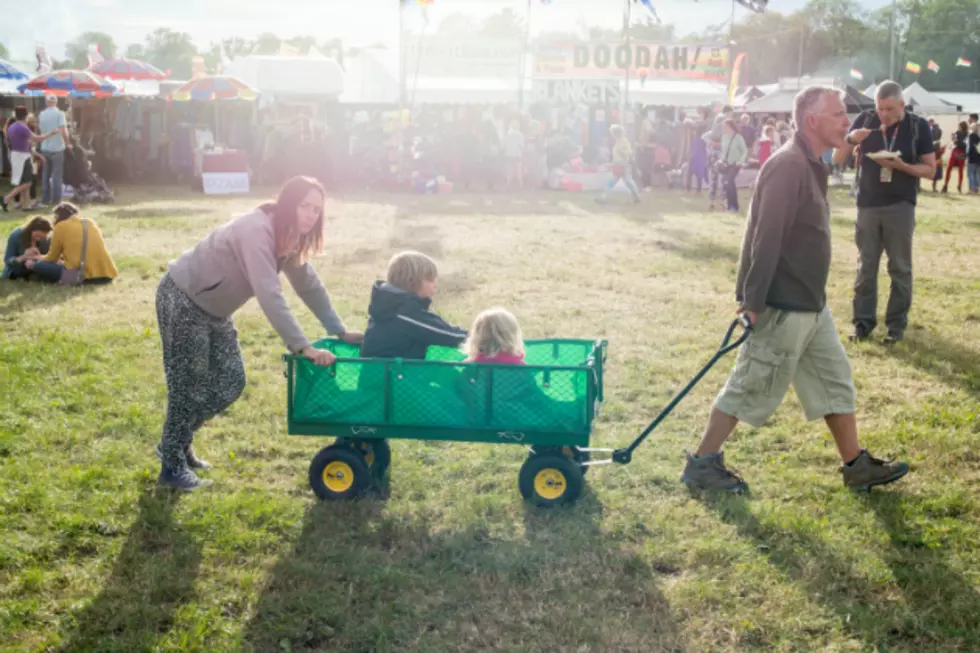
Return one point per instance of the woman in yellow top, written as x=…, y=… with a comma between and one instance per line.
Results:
x=66, y=246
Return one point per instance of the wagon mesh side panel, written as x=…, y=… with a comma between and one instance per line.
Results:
x=349, y=392
x=508, y=398
x=438, y=395
x=540, y=400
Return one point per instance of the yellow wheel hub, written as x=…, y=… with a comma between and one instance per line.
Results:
x=338, y=476
x=550, y=484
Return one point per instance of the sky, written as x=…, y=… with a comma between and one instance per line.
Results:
x=358, y=22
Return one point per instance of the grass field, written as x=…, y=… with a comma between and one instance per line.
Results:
x=93, y=557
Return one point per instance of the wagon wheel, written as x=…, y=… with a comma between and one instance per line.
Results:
x=548, y=480
x=338, y=473
x=377, y=453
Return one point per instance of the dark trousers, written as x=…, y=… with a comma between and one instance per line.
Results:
x=43, y=271
x=885, y=229
x=731, y=192
x=203, y=365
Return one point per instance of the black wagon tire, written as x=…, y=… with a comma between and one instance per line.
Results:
x=339, y=473
x=550, y=480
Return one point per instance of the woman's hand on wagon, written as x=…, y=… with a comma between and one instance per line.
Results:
x=319, y=357
x=352, y=337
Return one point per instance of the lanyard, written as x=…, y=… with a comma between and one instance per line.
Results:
x=884, y=136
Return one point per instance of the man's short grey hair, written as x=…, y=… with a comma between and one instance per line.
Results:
x=808, y=98
x=889, y=90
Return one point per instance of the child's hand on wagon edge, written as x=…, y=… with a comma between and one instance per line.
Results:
x=320, y=357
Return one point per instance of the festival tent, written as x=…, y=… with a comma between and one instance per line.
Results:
x=278, y=76
x=782, y=99
x=922, y=101
x=370, y=77
x=968, y=102
x=677, y=93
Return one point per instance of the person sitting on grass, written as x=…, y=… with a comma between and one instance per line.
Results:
x=202, y=290
x=400, y=324
x=496, y=337
x=70, y=232
x=27, y=243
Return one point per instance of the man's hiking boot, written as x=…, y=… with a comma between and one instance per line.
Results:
x=709, y=473
x=866, y=471
x=894, y=337
x=860, y=334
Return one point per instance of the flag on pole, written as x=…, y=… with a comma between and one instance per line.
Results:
x=856, y=74
x=913, y=67
x=933, y=66
x=964, y=62
x=736, y=74
x=94, y=56
x=43, y=60
x=650, y=8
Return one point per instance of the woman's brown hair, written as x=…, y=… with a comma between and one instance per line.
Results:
x=964, y=128
x=64, y=211
x=37, y=223
x=283, y=212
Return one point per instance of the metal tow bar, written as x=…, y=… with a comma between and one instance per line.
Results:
x=625, y=456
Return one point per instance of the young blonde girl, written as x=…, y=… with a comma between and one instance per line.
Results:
x=496, y=337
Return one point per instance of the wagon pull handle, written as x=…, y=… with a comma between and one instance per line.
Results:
x=624, y=456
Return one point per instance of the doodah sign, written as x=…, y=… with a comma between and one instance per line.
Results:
x=569, y=60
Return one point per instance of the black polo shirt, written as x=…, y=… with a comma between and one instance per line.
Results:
x=903, y=187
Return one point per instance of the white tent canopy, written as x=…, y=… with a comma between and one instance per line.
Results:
x=968, y=102
x=924, y=101
x=290, y=76
x=678, y=93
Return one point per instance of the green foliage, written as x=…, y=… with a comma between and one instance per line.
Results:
x=170, y=50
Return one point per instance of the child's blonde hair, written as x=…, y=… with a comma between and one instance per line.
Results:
x=495, y=331
x=407, y=270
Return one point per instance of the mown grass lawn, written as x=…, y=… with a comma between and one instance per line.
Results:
x=93, y=557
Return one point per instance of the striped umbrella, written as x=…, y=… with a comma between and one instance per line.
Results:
x=9, y=72
x=214, y=87
x=126, y=69
x=76, y=83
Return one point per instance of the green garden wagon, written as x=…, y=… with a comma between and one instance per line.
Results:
x=548, y=405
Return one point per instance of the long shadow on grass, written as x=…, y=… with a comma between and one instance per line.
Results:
x=128, y=213
x=153, y=576
x=21, y=296
x=949, y=361
x=360, y=578
x=709, y=251
x=939, y=609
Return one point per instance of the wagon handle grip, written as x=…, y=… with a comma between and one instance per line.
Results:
x=624, y=456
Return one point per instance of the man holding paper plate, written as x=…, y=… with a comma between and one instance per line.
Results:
x=897, y=150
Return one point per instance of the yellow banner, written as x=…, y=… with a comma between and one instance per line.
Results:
x=571, y=60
